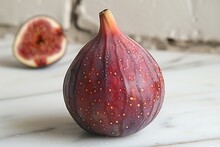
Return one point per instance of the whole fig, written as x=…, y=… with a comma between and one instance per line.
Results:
x=113, y=87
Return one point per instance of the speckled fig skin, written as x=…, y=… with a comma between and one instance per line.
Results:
x=113, y=87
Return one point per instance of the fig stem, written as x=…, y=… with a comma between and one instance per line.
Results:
x=107, y=20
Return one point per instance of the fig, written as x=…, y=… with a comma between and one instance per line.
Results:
x=113, y=87
x=39, y=42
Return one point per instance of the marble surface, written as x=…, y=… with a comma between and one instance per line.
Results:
x=33, y=113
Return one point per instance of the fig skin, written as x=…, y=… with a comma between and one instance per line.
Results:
x=39, y=42
x=113, y=87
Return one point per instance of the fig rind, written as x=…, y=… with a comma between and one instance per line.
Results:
x=113, y=87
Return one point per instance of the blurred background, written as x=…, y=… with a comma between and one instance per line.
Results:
x=187, y=25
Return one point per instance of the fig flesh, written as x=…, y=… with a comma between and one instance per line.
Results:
x=113, y=87
x=39, y=42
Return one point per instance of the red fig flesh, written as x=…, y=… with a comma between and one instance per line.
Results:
x=113, y=87
x=39, y=42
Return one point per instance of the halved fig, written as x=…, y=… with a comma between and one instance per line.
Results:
x=39, y=42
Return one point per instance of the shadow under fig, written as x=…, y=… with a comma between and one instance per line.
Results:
x=10, y=62
x=57, y=128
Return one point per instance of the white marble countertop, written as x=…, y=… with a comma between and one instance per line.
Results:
x=33, y=113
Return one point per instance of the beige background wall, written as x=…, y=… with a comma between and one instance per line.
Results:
x=182, y=20
x=15, y=12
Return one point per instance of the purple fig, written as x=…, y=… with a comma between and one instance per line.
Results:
x=113, y=87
